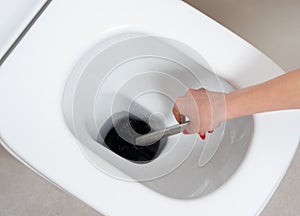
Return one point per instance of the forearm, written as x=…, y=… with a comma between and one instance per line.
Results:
x=279, y=93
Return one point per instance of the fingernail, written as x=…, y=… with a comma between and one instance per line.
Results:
x=185, y=131
x=210, y=131
x=202, y=136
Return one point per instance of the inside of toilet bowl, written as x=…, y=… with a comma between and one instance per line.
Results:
x=140, y=75
x=119, y=133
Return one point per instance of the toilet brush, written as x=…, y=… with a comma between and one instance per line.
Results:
x=150, y=138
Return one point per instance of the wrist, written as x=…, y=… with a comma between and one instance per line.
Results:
x=235, y=104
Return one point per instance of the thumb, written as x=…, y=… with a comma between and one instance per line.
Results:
x=176, y=113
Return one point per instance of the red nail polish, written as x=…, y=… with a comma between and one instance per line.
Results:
x=202, y=136
x=210, y=131
x=185, y=131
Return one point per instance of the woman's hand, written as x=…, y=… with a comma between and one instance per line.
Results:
x=205, y=109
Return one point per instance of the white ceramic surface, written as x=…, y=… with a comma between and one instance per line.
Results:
x=14, y=17
x=32, y=125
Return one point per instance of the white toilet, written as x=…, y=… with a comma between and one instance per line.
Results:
x=84, y=62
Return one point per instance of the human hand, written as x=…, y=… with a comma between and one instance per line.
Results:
x=205, y=109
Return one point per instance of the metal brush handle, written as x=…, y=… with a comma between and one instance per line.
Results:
x=150, y=138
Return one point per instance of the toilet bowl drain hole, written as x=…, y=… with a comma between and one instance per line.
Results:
x=125, y=148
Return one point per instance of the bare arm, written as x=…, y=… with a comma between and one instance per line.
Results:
x=280, y=93
x=206, y=109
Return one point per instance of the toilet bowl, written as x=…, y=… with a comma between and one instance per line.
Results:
x=82, y=65
x=144, y=75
